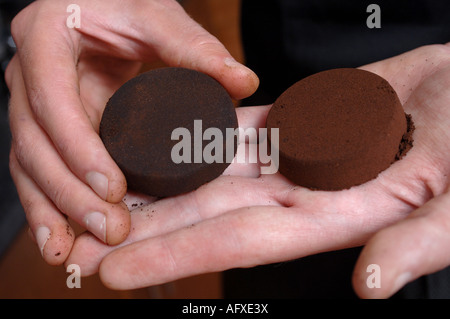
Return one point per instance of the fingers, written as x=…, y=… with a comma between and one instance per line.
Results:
x=48, y=67
x=242, y=238
x=38, y=158
x=56, y=148
x=273, y=213
x=236, y=222
x=167, y=215
x=413, y=247
x=187, y=44
x=56, y=102
x=51, y=231
x=265, y=232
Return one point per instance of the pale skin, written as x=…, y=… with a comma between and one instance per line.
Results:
x=58, y=161
x=240, y=219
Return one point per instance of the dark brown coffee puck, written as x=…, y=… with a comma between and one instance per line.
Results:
x=338, y=128
x=141, y=117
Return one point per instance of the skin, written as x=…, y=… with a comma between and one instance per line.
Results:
x=59, y=173
x=243, y=218
x=240, y=219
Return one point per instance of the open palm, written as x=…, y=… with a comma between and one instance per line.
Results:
x=243, y=218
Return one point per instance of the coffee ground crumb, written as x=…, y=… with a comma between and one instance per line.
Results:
x=407, y=139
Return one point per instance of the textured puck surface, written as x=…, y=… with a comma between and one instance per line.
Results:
x=338, y=128
x=139, y=119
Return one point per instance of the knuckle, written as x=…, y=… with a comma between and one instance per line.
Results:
x=20, y=22
x=28, y=207
x=21, y=146
x=9, y=71
x=26, y=150
x=60, y=194
x=16, y=27
x=13, y=164
x=28, y=204
x=200, y=46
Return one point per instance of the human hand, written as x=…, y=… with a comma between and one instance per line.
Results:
x=418, y=245
x=60, y=80
x=243, y=219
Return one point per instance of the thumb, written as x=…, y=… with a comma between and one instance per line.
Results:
x=164, y=29
x=416, y=246
x=146, y=30
x=187, y=44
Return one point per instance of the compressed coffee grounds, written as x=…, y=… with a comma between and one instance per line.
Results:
x=139, y=119
x=339, y=128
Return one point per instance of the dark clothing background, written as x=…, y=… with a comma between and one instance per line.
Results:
x=287, y=40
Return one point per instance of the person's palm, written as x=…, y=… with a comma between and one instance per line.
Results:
x=243, y=219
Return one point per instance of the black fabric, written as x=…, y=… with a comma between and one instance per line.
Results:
x=326, y=275
x=287, y=40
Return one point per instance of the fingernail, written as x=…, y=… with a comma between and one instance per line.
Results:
x=96, y=223
x=232, y=63
x=42, y=236
x=99, y=183
x=245, y=73
x=402, y=280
